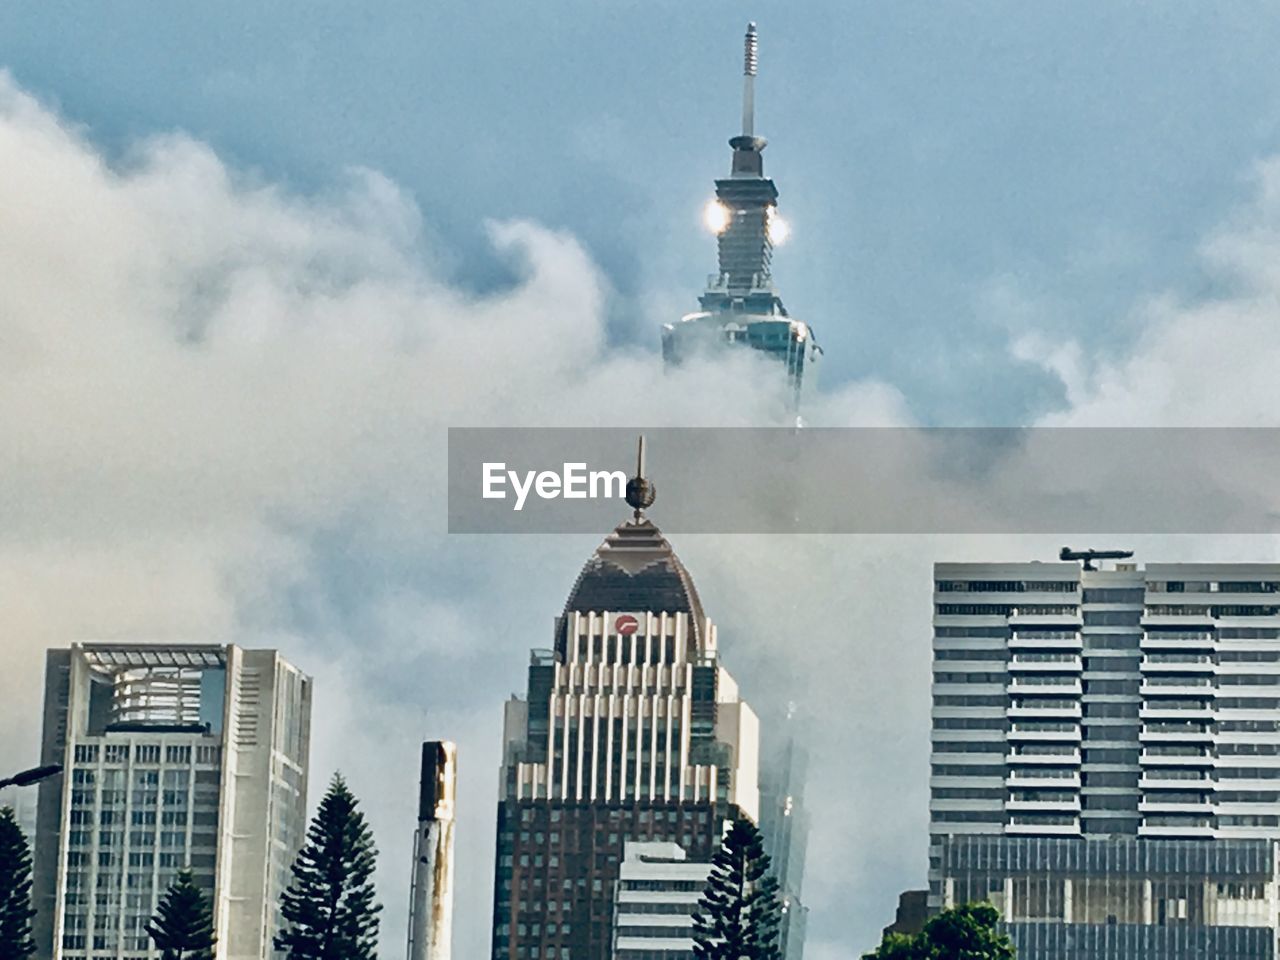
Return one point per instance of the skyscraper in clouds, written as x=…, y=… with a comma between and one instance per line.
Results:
x=740, y=306
x=784, y=822
x=176, y=756
x=630, y=730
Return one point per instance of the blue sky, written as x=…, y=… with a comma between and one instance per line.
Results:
x=226, y=370
x=927, y=154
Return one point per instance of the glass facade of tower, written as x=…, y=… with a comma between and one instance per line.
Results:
x=784, y=824
x=740, y=307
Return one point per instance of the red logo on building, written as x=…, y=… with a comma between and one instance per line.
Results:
x=626, y=625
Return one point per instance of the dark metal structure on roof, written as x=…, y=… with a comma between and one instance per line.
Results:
x=636, y=568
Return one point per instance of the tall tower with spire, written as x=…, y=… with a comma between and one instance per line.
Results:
x=740, y=306
x=630, y=730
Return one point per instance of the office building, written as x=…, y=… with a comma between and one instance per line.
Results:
x=1106, y=755
x=631, y=729
x=176, y=756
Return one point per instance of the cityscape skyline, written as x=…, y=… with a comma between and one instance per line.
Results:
x=241, y=442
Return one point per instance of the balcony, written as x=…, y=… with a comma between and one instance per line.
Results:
x=1154, y=780
x=1175, y=736
x=1070, y=805
x=1200, y=618
x=1071, y=759
x=1022, y=780
x=1045, y=685
x=1177, y=687
x=1190, y=761
x=1071, y=734
x=1029, y=638
x=1189, y=831
x=1057, y=626
x=1173, y=710
x=1178, y=641
x=1196, y=663
x=1156, y=804
x=1069, y=710
x=1032, y=663
x=1045, y=829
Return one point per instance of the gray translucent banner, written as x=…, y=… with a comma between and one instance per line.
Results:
x=1038, y=480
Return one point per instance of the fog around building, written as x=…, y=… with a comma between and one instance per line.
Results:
x=223, y=407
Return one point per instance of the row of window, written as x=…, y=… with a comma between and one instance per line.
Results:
x=1007, y=586
x=147, y=753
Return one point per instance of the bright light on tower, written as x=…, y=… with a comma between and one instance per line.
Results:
x=778, y=228
x=716, y=216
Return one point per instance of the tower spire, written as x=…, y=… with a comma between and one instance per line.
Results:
x=640, y=492
x=747, y=161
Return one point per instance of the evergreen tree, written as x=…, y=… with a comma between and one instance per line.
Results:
x=329, y=911
x=15, y=890
x=963, y=933
x=739, y=912
x=182, y=928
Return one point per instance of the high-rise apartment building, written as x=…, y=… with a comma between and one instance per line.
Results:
x=175, y=756
x=740, y=306
x=631, y=730
x=1106, y=756
x=657, y=895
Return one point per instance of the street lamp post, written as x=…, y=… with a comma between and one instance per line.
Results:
x=27, y=777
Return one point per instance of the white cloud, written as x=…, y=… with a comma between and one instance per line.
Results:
x=1207, y=361
x=222, y=416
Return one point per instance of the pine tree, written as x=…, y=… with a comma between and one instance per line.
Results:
x=182, y=928
x=15, y=890
x=739, y=912
x=329, y=911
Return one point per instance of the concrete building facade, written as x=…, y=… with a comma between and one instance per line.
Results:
x=1106, y=755
x=175, y=756
x=657, y=895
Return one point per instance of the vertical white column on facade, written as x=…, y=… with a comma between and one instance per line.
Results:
x=671, y=747
x=685, y=701
x=612, y=706
x=581, y=738
x=656, y=699
x=639, y=746
x=624, y=730
x=566, y=701
x=597, y=700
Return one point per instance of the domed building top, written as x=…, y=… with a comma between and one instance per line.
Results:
x=636, y=569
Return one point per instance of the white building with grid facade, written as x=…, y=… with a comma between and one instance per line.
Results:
x=657, y=896
x=1134, y=711
x=175, y=756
